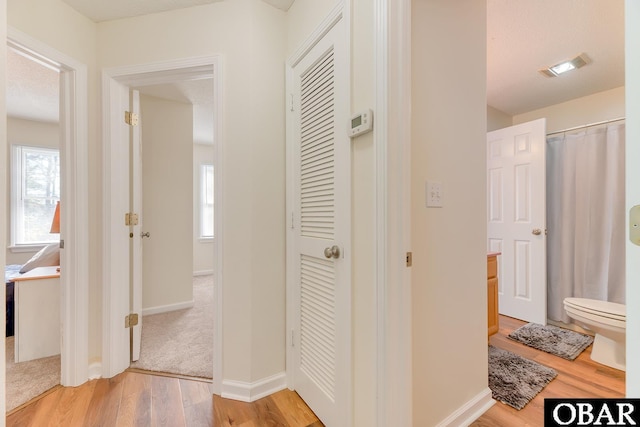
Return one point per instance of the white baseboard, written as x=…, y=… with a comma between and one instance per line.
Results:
x=250, y=392
x=167, y=308
x=470, y=411
x=203, y=273
x=95, y=370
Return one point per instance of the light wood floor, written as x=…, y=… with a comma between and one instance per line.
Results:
x=579, y=378
x=137, y=399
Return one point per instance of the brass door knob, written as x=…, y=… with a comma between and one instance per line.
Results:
x=536, y=232
x=332, y=252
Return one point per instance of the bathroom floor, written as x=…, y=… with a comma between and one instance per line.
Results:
x=578, y=378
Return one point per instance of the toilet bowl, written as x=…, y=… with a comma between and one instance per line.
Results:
x=608, y=321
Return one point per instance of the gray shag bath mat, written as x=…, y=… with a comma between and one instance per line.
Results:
x=552, y=339
x=515, y=380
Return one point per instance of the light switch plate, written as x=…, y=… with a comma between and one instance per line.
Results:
x=434, y=194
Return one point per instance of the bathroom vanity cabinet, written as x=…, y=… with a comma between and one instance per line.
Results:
x=492, y=293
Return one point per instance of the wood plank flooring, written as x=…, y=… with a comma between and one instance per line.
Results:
x=139, y=399
x=579, y=378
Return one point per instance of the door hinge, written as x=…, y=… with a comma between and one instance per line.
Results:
x=131, y=118
x=291, y=102
x=409, y=259
x=293, y=343
x=130, y=219
x=292, y=221
x=131, y=320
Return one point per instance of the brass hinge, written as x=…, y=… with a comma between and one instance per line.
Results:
x=409, y=259
x=130, y=219
x=131, y=118
x=131, y=320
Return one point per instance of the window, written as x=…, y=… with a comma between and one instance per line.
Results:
x=35, y=191
x=206, y=201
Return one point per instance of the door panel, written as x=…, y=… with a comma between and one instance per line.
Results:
x=321, y=188
x=517, y=217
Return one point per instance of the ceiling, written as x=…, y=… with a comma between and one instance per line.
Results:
x=523, y=36
x=102, y=10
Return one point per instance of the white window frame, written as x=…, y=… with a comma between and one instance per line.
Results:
x=203, y=202
x=17, y=185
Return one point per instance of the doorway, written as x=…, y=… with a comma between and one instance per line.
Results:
x=74, y=259
x=118, y=83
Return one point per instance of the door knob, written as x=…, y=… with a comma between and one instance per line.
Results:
x=536, y=232
x=145, y=234
x=332, y=252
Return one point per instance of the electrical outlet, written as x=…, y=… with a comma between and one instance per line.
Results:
x=434, y=194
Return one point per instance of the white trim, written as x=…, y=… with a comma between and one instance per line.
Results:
x=470, y=411
x=250, y=392
x=392, y=139
x=203, y=273
x=335, y=15
x=26, y=248
x=74, y=282
x=167, y=308
x=95, y=370
x=141, y=75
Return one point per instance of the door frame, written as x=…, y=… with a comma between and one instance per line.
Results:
x=392, y=141
x=115, y=344
x=74, y=218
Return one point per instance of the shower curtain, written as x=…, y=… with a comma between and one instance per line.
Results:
x=585, y=217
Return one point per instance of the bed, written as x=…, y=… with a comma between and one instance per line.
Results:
x=10, y=272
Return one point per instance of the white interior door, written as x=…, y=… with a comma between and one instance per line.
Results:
x=136, y=228
x=517, y=218
x=321, y=228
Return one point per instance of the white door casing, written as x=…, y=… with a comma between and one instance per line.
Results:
x=116, y=272
x=516, y=215
x=319, y=191
x=136, y=228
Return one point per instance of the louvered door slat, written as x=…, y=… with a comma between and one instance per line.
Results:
x=317, y=334
x=317, y=152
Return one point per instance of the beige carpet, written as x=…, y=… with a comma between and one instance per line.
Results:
x=181, y=342
x=27, y=380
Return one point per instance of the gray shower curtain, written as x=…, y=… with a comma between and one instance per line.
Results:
x=585, y=216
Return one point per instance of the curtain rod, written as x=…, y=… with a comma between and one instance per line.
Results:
x=604, y=122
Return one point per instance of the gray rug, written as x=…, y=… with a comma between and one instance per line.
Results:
x=181, y=342
x=515, y=380
x=552, y=339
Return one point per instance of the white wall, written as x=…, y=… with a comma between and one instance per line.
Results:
x=496, y=119
x=203, y=251
x=58, y=25
x=449, y=282
x=34, y=134
x=632, y=36
x=167, y=181
x=601, y=106
x=250, y=36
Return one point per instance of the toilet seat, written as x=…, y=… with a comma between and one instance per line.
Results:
x=606, y=309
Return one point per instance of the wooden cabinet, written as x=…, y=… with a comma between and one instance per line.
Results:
x=492, y=293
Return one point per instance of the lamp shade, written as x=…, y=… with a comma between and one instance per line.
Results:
x=55, y=224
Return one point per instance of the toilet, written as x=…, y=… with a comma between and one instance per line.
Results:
x=608, y=321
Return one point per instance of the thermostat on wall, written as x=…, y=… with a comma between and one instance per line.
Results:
x=361, y=123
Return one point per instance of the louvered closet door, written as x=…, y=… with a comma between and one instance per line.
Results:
x=321, y=225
